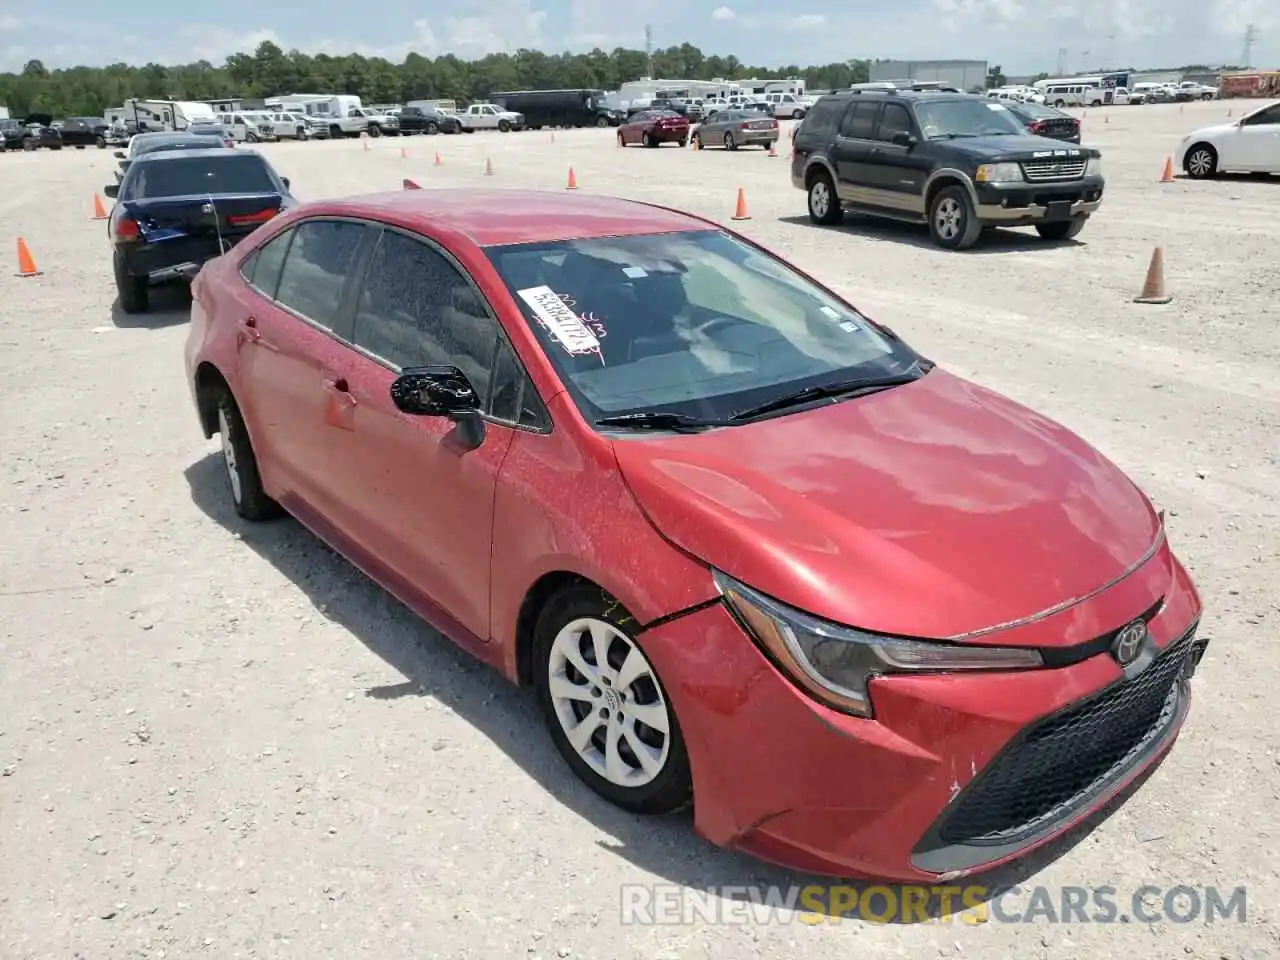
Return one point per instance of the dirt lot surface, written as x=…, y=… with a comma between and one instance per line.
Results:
x=221, y=741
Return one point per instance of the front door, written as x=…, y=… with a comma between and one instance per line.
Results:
x=898, y=173
x=424, y=500
x=1258, y=142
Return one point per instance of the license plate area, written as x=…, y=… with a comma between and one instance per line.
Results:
x=1058, y=210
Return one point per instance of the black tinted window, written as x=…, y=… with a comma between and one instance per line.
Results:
x=263, y=268
x=316, y=267
x=1268, y=116
x=515, y=399
x=894, y=119
x=198, y=176
x=416, y=308
x=824, y=117
x=860, y=121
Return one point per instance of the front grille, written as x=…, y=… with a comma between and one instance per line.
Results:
x=1069, y=756
x=1040, y=171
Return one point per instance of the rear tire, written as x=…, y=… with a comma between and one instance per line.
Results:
x=729, y=142
x=650, y=140
x=241, y=464
x=250, y=137
x=602, y=121
x=1063, y=230
x=131, y=291
x=824, y=205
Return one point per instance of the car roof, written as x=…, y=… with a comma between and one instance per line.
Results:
x=489, y=217
x=155, y=155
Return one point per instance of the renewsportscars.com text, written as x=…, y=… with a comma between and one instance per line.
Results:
x=670, y=904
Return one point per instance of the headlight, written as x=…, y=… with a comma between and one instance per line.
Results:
x=999, y=173
x=1094, y=167
x=834, y=664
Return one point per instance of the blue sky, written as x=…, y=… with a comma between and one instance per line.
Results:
x=1021, y=35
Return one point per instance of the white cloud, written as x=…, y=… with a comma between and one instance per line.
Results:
x=806, y=21
x=215, y=44
x=723, y=13
x=9, y=24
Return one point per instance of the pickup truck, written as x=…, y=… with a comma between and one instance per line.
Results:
x=379, y=123
x=487, y=116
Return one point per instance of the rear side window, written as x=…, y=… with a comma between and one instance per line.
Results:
x=262, y=270
x=198, y=176
x=860, y=122
x=316, y=266
x=823, y=118
x=417, y=308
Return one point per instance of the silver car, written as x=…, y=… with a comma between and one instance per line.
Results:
x=736, y=128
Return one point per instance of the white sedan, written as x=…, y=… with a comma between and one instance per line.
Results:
x=1248, y=145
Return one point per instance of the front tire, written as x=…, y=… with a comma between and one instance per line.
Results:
x=605, y=708
x=1201, y=162
x=131, y=291
x=824, y=205
x=1062, y=230
x=250, y=137
x=952, y=223
x=729, y=142
x=504, y=126
x=241, y=464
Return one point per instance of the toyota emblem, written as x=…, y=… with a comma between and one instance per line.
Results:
x=1129, y=642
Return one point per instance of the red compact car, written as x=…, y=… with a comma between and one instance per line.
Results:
x=653, y=128
x=746, y=544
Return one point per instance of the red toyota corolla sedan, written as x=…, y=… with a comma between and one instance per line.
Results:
x=751, y=549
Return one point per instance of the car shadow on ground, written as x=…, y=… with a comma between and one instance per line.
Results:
x=434, y=667
x=992, y=241
x=169, y=306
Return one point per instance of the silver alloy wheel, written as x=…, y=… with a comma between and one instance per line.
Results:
x=820, y=198
x=609, y=703
x=229, y=455
x=948, y=218
x=1200, y=163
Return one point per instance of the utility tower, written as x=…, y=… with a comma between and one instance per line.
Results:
x=648, y=46
x=1250, y=38
x=1062, y=60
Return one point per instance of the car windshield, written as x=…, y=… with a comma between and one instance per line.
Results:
x=180, y=143
x=944, y=119
x=200, y=176
x=694, y=323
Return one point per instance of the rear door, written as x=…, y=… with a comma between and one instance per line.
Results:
x=294, y=333
x=851, y=152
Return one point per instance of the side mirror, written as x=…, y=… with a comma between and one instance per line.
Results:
x=904, y=139
x=285, y=181
x=121, y=155
x=441, y=391
x=111, y=190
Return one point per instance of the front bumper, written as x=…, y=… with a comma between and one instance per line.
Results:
x=1014, y=203
x=927, y=790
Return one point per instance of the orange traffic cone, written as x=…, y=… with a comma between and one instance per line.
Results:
x=553, y=136
x=1228, y=112
x=410, y=185
x=404, y=153
x=439, y=162
x=1167, y=176
x=1106, y=118
x=573, y=180
x=26, y=262
x=488, y=168
x=99, y=209
x=740, y=213
x=1153, y=290
x=364, y=139
x=772, y=152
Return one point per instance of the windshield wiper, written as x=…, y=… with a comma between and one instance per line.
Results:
x=951, y=136
x=659, y=420
x=843, y=389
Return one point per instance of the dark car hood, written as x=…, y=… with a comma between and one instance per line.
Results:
x=935, y=509
x=1014, y=147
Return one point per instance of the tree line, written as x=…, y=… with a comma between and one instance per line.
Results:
x=269, y=70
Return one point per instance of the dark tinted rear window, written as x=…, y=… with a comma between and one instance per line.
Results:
x=824, y=117
x=197, y=176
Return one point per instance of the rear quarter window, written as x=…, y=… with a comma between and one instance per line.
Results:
x=823, y=118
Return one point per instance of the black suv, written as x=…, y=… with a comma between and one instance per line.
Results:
x=957, y=161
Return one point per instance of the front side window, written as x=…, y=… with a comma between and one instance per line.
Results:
x=696, y=323
x=1271, y=115
x=262, y=269
x=417, y=308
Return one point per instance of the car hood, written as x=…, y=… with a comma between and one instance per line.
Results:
x=1017, y=148
x=1216, y=130
x=935, y=509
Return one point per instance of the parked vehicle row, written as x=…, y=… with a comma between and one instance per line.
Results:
x=451, y=390
x=42, y=131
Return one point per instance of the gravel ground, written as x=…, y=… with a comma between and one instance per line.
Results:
x=222, y=741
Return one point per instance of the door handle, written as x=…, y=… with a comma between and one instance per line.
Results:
x=249, y=327
x=339, y=387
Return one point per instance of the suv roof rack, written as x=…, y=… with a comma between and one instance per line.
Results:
x=902, y=86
